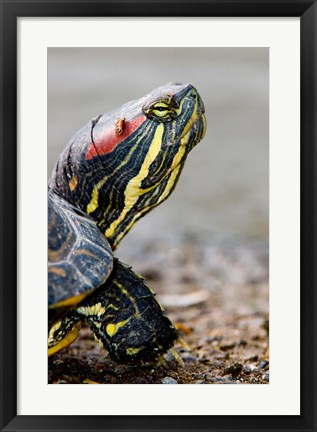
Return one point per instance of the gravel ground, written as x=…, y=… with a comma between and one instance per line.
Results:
x=218, y=297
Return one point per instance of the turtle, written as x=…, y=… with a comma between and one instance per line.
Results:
x=114, y=170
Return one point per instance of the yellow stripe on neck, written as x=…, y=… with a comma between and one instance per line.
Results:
x=133, y=189
x=175, y=167
x=93, y=204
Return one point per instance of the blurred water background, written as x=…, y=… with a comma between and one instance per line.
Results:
x=223, y=192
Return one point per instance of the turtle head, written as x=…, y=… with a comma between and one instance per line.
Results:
x=124, y=163
x=181, y=110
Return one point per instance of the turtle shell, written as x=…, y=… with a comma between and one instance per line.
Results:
x=79, y=256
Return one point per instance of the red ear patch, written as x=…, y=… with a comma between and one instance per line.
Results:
x=109, y=139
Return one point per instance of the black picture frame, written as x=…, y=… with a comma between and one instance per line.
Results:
x=10, y=11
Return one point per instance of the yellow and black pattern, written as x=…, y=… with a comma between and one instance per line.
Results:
x=63, y=332
x=115, y=170
x=124, y=316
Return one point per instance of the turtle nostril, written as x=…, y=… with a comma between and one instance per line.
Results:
x=201, y=105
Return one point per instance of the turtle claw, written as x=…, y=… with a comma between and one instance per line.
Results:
x=162, y=362
x=183, y=344
x=177, y=357
x=89, y=381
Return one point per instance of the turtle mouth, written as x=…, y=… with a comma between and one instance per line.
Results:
x=198, y=124
x=189, y=139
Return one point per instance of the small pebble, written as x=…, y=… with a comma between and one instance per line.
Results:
x=221, y=356
x=204, y=359
x=217, y=364
x=253, y=367
x=169, y=380
x=265, y=377
x=247, y=369
x=169, y=357
x=263, y=364
x=187, y=357
x=221, y=379
x=228, y=346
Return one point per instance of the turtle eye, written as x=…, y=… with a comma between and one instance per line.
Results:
x=161, y=112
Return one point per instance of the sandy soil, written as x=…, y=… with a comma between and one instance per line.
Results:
x=218, y=297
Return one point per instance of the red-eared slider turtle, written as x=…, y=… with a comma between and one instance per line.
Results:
x=116, y=169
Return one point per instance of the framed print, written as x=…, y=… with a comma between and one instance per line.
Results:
x=230, y=254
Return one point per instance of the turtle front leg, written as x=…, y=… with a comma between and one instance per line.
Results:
x=127, y=319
